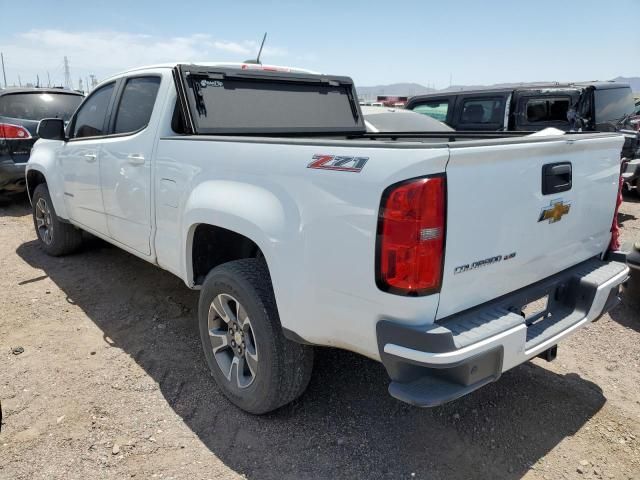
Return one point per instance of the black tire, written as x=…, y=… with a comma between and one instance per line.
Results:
x=283, y=368
x=62, y=238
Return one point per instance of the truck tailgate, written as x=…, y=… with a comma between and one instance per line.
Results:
x=503, y=233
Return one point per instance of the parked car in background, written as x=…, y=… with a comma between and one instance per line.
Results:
x=631, y=154
x=384, y=119
x=634, y=121
x=592, y=106
x=304, y=229
x=595, y=106
x=20, y=111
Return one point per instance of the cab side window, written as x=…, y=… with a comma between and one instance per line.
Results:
x=136, y=104
x=483, y=111
x=90, y=120
x=436, y=109
x=539, y=110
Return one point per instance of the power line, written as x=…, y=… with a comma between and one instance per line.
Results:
x=67, y=75
x=4, y=74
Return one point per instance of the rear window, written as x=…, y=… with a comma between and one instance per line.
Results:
x=231, y=101
x=485, y=110
x=437, y=110
x=136, y=104
x=39, y=105
x=613, y=104
x=541, y=110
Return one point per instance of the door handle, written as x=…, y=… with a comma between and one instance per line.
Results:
x=556, y=178
x=136, y=158
x=90, y=157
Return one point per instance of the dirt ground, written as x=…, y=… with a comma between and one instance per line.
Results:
x=112, y=383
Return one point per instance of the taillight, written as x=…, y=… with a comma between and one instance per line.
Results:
x=411, y=232
x=614, y=244
x=266, y=68
x=13, y=132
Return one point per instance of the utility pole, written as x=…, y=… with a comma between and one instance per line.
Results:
x=67, y=75
x=19, y=81
x=80, y=86
x=4, y=74
x=48, y=80
x=37, y=80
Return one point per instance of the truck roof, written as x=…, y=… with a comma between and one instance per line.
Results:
x=4, y=91
x=238, y=65
x=598, y=85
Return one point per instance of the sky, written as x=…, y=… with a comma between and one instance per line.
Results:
x=470, y=42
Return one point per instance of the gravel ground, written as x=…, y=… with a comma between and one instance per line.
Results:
x=112, y=384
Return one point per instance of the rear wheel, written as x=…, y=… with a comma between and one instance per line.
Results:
x=56, y=237
x=256, y=367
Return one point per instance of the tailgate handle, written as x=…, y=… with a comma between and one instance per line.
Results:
x=556, y=177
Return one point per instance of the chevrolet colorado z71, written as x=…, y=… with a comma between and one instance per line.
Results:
x=260, y=187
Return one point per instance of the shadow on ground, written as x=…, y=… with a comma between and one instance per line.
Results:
x=623, y=217
x=16, y=205
x=627, y=313
x=631, y=197
x=346, y=425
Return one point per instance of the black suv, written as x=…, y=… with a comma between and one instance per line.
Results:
x=20, y=111
x=594, y=106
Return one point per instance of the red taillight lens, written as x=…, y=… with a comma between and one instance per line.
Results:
x=266, y=68
x=411, y=232
x=614, y=244
x=13, y=132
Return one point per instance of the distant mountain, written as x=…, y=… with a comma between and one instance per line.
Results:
x=411, y=89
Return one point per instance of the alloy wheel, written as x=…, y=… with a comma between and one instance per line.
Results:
x=232, y=340
x=44, y=222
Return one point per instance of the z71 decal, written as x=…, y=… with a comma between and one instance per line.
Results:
x=336, y=162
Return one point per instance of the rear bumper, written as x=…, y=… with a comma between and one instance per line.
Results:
x=437, y=363
x=12, y=175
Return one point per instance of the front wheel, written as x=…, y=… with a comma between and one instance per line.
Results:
x=256, y=367
x=56, y=237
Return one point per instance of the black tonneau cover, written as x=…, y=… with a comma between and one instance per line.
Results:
x=233, y=101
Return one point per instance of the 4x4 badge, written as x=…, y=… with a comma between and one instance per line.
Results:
x=555, y=211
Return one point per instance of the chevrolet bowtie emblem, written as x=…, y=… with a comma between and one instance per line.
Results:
x=554, y=211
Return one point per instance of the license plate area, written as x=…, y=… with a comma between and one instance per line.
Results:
x=536, y=310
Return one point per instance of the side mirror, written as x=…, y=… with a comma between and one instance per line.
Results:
x=51, y=129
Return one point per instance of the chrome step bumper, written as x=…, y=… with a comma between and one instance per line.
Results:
x=433, y=364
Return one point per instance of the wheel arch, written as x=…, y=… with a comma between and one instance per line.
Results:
x=34, y=178
x=261, y=220
x=213, y=245
x=37, y=173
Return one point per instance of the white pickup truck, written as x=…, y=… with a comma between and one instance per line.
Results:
x=260, y=187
